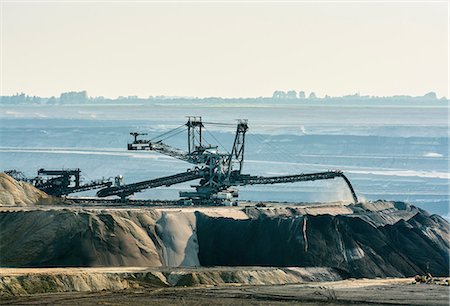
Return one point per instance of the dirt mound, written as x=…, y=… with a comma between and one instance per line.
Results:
x=385, y=240
x=14, y=193
x=408, y=247
x=66, y=237
x=31, y=281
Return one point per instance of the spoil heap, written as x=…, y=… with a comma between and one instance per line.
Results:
x=377, y=240
x=14, y=193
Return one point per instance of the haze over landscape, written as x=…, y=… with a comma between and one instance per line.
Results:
x=224, y=49
x=329, y=70
x=341, y=195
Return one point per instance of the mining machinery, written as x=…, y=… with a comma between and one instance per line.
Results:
x=218, y=173
x=59, y=182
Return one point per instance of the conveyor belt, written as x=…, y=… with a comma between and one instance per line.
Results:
x=129, y=189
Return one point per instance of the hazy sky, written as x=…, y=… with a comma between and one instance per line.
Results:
x=224, y=49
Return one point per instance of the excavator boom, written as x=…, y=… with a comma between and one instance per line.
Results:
x=159, y=147
x=217, y=171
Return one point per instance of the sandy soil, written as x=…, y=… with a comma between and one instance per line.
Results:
x=381, y=291
x=383, y=240
x=26, y=281
x=14, y=193
x=359, y=292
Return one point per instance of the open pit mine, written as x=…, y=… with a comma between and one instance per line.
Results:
x=161, y=253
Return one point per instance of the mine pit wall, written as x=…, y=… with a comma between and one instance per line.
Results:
x=258, y=237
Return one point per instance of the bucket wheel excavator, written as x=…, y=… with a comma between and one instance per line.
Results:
x=218, y=173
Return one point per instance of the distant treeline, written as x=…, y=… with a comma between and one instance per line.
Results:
x=81, y=97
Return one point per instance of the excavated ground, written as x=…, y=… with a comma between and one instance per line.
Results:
x=144, y=291
x=260, y=249
x=381, y=239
